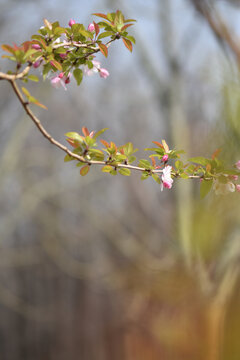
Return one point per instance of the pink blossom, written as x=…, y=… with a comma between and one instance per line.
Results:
x=91, y=27
x=167, y=181
x=165, y=158
x=223, y=189
x=238, y=188
x=95, y=68
x=71, y=22
x=103, y=73
x=36, y=46
x=238, y=164
x=233, y=177
x=60, y=80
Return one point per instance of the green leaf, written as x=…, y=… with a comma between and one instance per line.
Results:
x=107, y=168
x=84, y=170
x=205, y=187
x=144, y=164
x=78, y=74
x=178, y=164
x=33, y=78
x=156, y=178
x=68, y=158
x=26, y=92
x=125, y=172
x=200, y=160
x=100, y=132
x=145, y=175
x=184, y=176
x=105, y=34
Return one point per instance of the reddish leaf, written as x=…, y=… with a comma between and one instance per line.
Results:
x=113, y=146
x=215, y=154
x=84, y=170
x=85, y=131
x=153, y=161
x=39, y=104
x=103, y=49
x=8, y=48
x=96, y=27
x=26, y=45
x=105, y=143
x=208, y=167
x=128, y=44
x=126, y=26
x=56, y=64
x=158, y=144
x=101, y=15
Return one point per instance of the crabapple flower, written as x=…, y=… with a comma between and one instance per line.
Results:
x=71, y=22
x=238, y=164
x=36, y=47
x=238, y=188
x=95, y=68
x=103, y=73
x=223, y=189
x=91, y=27
x=60, y=80
x=165, y=158
x=167, y=181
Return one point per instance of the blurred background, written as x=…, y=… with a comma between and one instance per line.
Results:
x=108, y=268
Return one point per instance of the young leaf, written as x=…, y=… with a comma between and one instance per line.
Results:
x=103, y=49
x=33, y=78
x=84, y=170
x=128, y=44
x=125, y=172
x=101, y=15
x=107, y=168
x=199, y=160
x=205, y=187
x=78, y=74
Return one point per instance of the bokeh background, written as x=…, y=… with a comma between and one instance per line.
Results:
x=108, y=268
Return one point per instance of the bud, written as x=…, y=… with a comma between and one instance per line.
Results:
x=67, y=81
x=238, y=188
x=36, y=46
x=37, y=63
x=103, y=73
x=71, y=22
x=61, y=75
x=238, y=164
x=91, y=27
x=165, y=158
x=63, y=56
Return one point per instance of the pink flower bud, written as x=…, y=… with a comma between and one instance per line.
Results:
x=91, y=27
x=165, y=158
x=67, y=81
x=37, y=63
x=238, y=188
x=238, y=164
x=63, y=56
x=233, y=177
x=71, y=22
x=61, y=75
x=36, y=46
x=103, y=73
